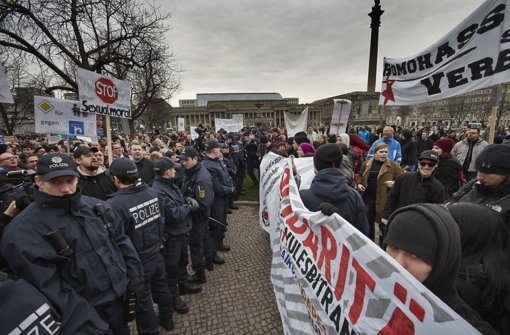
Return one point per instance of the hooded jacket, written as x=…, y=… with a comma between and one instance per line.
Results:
x=330, y=186
x=441, y=280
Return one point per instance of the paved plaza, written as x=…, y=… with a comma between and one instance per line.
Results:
x=238, y=297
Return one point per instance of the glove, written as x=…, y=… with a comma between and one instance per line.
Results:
x=328, y=209
x=193, y=204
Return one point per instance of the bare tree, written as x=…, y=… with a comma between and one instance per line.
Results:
x=157, y=113
x=24, y=85
x=123, y=38
x=458, y=110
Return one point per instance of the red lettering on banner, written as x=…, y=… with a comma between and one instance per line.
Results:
x=399, y=324
x=328, y=252
x=363, y=279
x=284, y=184
x=312, y=242
x=342, y=273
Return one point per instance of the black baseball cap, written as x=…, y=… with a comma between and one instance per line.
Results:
x=83, y=150
x=165, y=163
x=431, y=155
x=213, y=144
x=188, y=152
x=56, y=165
x=123, y=167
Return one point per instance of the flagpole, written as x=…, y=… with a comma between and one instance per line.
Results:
x=494, y=112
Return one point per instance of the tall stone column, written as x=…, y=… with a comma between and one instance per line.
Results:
x=375, y=15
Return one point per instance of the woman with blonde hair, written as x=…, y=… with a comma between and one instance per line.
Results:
x=376, y=178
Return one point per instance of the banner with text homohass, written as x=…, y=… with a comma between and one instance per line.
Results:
x=329, y=278
x=58, y=116
x=103, y=95
x=474, y=55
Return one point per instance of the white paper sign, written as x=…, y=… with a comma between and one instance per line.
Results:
x=180, y=124
x=57, y=116
x=103, y=95
x=340, y=116
x=230, y=125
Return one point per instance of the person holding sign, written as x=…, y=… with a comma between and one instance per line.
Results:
x=425, y=240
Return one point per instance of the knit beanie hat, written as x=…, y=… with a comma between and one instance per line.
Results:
x=494, y=159
x=327, y=155
x=445, y=143
x=411, y=231
x=307, y=148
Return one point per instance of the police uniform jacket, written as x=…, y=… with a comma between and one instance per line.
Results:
x=97, y=186
x=29, y=312
x=176, y=210
x=198, y=185
x=222, y=184
x=98, y=271
x=411, y=188
x=138, y=208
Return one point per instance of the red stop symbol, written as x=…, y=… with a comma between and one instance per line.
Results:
x=106, y=90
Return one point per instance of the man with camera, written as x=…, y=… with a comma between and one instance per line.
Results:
x=73, y=249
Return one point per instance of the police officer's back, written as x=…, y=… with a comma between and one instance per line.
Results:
x=139, y=208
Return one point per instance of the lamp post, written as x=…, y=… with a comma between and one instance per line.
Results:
x=375, y=15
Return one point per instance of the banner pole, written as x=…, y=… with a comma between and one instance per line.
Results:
x=109, y=139
x=494, y=114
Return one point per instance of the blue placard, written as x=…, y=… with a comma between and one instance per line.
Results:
x=76, y=128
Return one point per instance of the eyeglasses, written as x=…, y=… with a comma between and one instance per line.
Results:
x=7, y=158
x=429, y=164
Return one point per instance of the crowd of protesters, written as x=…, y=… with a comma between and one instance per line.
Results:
x=174, y=192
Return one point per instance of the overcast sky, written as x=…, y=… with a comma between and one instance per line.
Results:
x=310, y=49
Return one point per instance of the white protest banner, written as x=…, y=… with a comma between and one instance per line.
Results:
x=331, y=279
x=295, y=123
x=271, y=169
x=5, y=90
x=103, y=95
x=230, y=125
x=239, y=118
x=474, y=55
x=53, y=138
x=192, y=131
x=57, y=116
x=180, y=124
x=340, y=116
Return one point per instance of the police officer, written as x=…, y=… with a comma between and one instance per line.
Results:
x=138, y=207
x=223, y=188
x=176, y=211
x=197, y=184
x=73, y=249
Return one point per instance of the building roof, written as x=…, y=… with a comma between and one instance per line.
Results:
x=203, y=98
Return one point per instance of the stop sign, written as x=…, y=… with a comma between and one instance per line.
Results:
x=106, y=90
